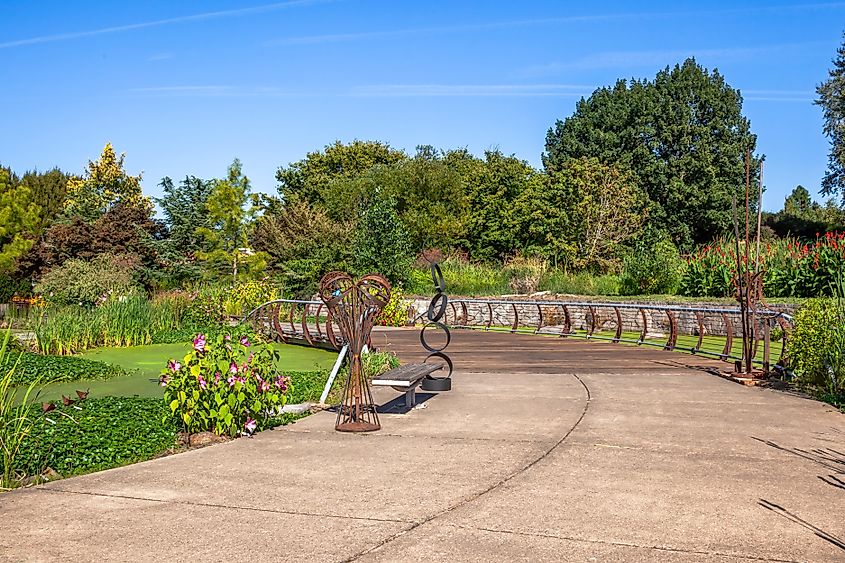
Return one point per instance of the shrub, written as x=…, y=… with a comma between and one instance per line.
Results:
x=373, y=364
x=207, y=306
x=77, y=282
x=226, y=386
x=652, y=268
x=96, y=434
x=246, y=296
x=581, y=283
x=835, y=352
x=377, y=363
x=382, y=243
x=525, y=273
x=462, y=278
x=10, y=286
x=395, y=313
x=812, y=336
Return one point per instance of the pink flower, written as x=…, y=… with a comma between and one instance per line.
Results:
x=282, y=383
x=199, y=343
x=202, y=382
x=174, y=365
x=231, y=380
x=227, y=337
x=233, y=368
x=163, y=380
x=250, y=425
x=265, y=386
x=245, y=342
x=250, y=358
x=217, y=377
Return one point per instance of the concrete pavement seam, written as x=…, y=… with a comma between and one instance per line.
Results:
x=214, y=505
x=622, y=544
x=491, y=488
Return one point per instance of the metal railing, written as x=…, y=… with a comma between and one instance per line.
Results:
x=707, y=331
x=296, y=321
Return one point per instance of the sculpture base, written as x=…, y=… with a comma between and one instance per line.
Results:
x=359, y=426
x=432, y=384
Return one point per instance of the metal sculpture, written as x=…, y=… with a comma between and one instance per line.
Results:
x=434, y=315
x=353, y=306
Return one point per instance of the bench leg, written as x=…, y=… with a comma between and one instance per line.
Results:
x=411, y=397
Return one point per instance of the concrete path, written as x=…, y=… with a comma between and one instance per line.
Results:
x=546, y=450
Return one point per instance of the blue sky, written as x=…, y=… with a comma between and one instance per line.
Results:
x=184, y=87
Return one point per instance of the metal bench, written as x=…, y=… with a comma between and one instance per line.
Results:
x=406, y=378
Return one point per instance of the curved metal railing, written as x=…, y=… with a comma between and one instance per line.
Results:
x=709, y=331
x=712, y=332
x=296, y=321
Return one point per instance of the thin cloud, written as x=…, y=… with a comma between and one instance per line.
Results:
x=367, y=91
x=803, y=96
x=472, y=90
x=216, y=91
x=380, y=34
x=341, y=37
x=156, y=23
x=160, y=57
x=662, y=57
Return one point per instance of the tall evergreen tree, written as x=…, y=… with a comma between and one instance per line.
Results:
x=832, y=101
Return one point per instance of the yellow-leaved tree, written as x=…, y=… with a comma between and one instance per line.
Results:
x=104, y=184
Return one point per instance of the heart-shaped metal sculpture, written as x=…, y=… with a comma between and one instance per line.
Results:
x=353, y=306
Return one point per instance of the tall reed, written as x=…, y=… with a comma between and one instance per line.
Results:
x=128, y=322
x=15, y=421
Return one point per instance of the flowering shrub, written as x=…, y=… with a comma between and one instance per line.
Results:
x=791, y=268
x=395, y=313
x=226, y=386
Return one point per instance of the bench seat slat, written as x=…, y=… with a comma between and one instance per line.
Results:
x=407, y=374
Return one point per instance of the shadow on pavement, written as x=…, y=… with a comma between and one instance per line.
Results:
x=781, y=511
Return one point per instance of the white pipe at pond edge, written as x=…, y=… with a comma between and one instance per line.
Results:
x=339, y=362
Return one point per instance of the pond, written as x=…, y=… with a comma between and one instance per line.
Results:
x=144, y=364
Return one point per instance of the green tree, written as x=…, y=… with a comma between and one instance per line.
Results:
x=184, y=209
x=381, y=243
x=831, y=98
x=429, y=197
x=104, y=184
x=495, y=226
x=302, y=243
x=802, y=217
x=231, y=210
x=49, y=190
x=19, y=219
x=583, y=214
x=798, y=203
x=682, y=135
x=309, y=178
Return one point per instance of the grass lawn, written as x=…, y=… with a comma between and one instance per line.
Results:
x=144, y=363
